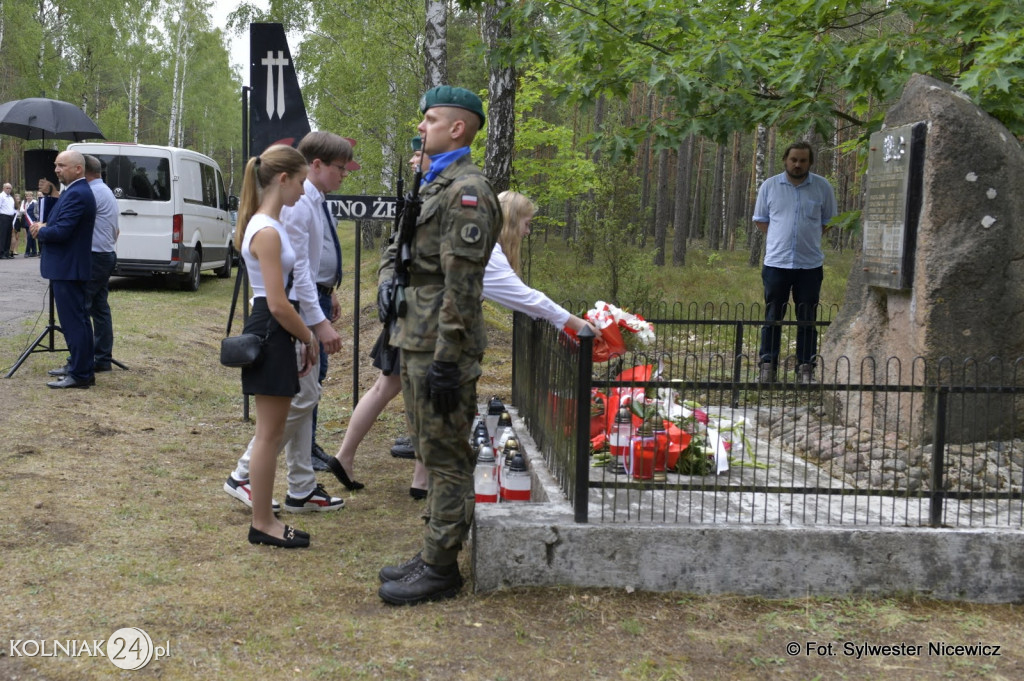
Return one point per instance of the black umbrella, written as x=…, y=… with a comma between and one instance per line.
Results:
x=38, y=118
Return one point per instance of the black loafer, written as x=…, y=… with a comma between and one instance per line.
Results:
x=293, y=539
x=68, y=382
x=341, y=475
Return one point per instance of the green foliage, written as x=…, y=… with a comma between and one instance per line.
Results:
x=549, y=165
x=114, y=59
x=801, y=65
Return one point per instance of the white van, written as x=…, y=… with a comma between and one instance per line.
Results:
x=174, y=216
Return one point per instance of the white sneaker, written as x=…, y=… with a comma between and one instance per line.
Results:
x=318, y=500
x=239, y=489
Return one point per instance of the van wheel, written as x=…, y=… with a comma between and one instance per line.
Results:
x=190, y=282
x=225, y=271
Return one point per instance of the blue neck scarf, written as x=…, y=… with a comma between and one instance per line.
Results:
x=441, y=161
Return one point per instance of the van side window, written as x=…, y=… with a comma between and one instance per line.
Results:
x=210, y=186
x=223, y=196
x=144, y=178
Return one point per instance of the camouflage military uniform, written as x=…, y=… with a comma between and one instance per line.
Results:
x=458, y=226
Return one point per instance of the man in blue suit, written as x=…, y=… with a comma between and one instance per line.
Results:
x=67, y=263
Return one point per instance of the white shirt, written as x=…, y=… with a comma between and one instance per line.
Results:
x=258, y=222
x=304, y=223
x=104, y=235
x=503, y=286
x=6, y=203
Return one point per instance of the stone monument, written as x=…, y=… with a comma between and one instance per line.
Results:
x=945, y=285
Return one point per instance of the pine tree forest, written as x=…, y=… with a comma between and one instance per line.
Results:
x=641, y=128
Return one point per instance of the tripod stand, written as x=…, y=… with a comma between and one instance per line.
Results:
x=41, y=345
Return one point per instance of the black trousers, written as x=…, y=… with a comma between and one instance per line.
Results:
x=6, y=229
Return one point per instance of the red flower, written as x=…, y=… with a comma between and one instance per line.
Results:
x=701, y=416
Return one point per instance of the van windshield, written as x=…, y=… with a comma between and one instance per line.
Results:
x=144, y=178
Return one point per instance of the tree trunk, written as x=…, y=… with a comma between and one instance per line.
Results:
x=684, y=172
x=696, y=217
x=661, y=209
x=645, y=173
x=501, y=88
x=587, y=251
x=435, y=53
x=733, y=205
x=715, y=206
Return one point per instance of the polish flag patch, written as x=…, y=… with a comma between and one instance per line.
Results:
x=469, y=200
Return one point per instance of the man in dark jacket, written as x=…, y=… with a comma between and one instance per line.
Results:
x=67, y=263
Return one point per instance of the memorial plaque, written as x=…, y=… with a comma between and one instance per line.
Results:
x=893, y=205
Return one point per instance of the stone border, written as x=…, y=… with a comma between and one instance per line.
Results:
x=539, y=544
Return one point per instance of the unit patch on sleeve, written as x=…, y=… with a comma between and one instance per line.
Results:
x=471, y=233
x=469, y=200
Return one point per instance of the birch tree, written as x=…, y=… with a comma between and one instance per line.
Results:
x=435, y=51
x=501, y=90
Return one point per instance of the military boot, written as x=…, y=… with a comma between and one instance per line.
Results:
x=391, y=573
x=425, y=583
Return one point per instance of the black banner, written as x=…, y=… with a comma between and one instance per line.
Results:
x=277, y=114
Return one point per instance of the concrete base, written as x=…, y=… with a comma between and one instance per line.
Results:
x=539, y=544
x=530, y=545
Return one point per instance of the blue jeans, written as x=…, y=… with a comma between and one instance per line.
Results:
x=98, y=309
x=325, y=305
x=805, y=286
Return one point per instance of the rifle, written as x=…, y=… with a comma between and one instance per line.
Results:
x=405, y=218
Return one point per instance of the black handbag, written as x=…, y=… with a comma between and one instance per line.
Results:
x=243, y=350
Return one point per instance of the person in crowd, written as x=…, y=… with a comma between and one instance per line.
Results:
x=67, y=263
x=502, y=284
x=104, y=258
x=793, y=209
x=8, y=209
x=272, y=180
x=307, y=224
x=442, y=338
x=28, y=214
x=18, y=224
x=327, y=278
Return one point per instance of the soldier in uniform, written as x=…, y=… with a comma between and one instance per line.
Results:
x=442, y=337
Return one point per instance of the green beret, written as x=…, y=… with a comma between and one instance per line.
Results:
x=417, y=143
x=458, y=97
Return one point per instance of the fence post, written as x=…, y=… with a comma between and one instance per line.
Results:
x=585, y=367
x=938, y=456
x=737, y=352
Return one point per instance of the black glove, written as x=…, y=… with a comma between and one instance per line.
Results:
x=384, y=292
x=443, y=385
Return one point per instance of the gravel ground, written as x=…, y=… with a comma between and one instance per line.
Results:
x=22, y=294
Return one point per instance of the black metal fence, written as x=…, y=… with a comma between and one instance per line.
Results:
x=918, y=443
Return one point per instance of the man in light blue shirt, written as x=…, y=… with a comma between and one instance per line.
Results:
x=792, y=210
x=104, y=258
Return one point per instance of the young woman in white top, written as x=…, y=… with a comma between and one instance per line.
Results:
x=502, y=285
x=272, y=180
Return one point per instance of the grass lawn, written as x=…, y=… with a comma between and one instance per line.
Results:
x=116, y=518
